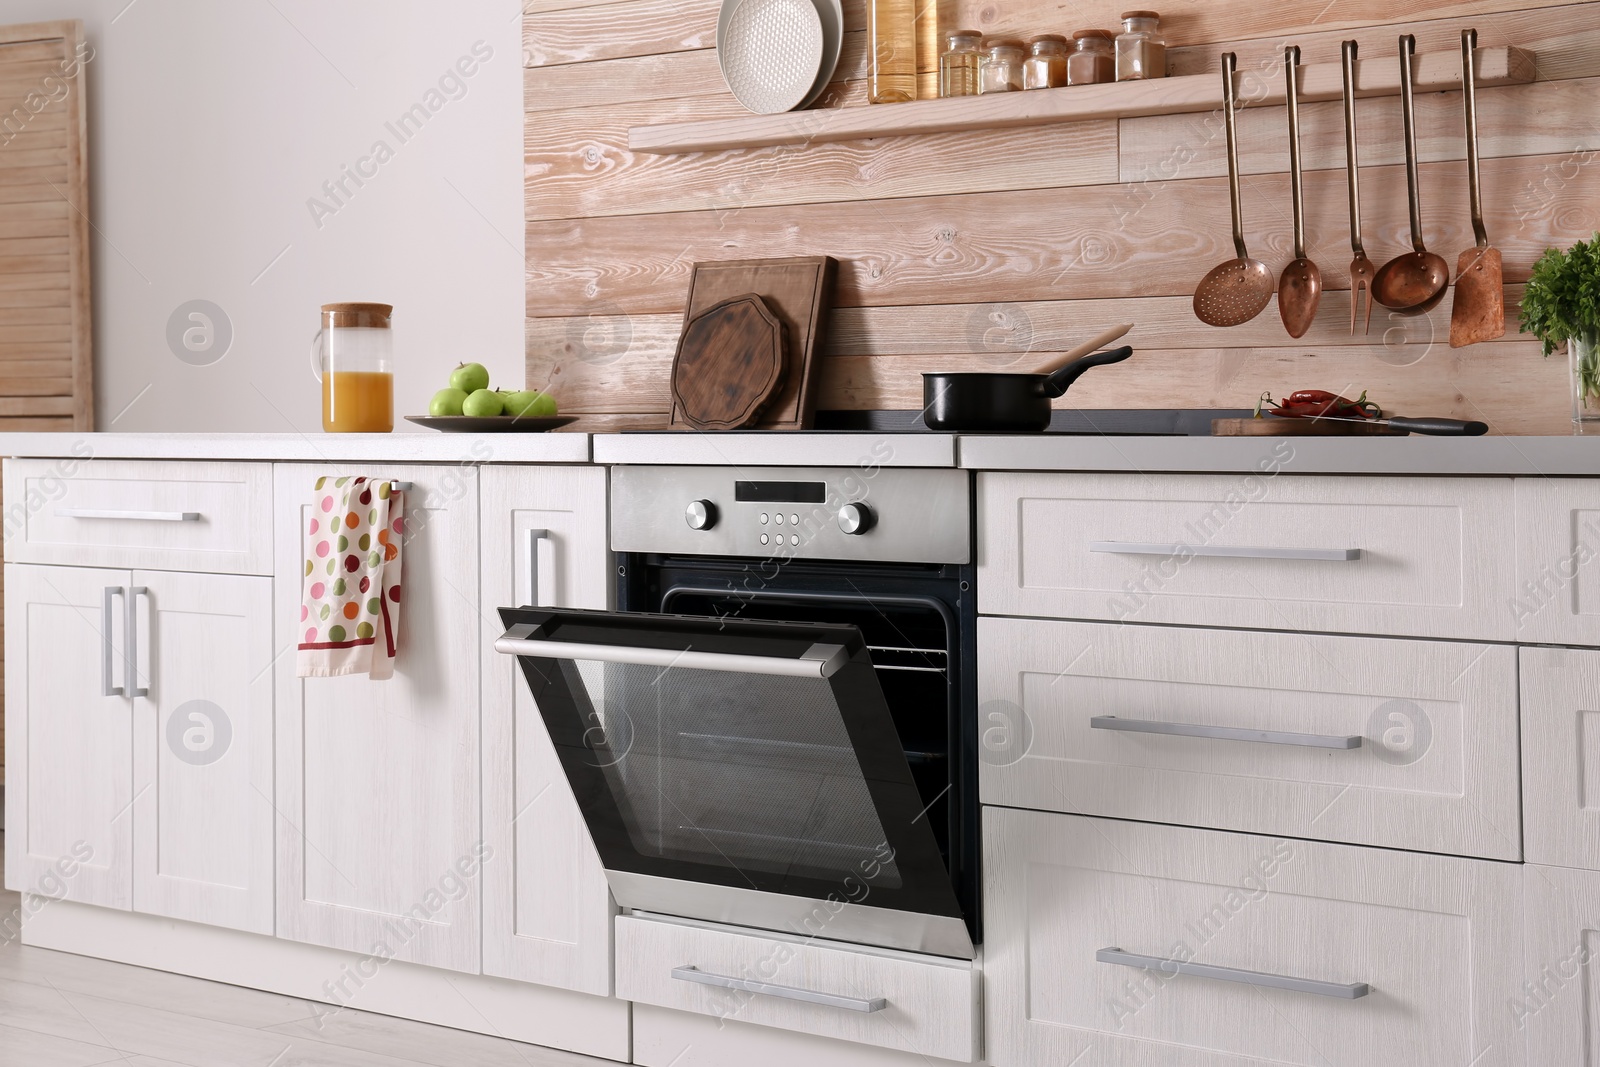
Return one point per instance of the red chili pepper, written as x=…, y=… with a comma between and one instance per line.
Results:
x=1319, y=403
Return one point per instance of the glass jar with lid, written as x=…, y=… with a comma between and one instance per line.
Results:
x=1001, y=68
x=1093, y=58
x=1046, y=65
x=958, y=64
x=1141, y=49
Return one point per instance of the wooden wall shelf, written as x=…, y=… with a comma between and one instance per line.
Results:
x=1375, y=76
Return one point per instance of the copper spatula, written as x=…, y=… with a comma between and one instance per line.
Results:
x=1479, y=311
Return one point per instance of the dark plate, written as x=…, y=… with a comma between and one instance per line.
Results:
x=490, y=423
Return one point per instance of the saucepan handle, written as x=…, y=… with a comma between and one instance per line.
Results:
x=1058, y=382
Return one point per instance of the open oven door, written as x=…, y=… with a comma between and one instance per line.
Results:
x=739, y=771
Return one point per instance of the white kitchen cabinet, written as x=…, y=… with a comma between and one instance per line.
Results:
x=1072, y=904
x=546, y=908
x=202, y=753
x=1561, y=755
x=378, y=837
x=1423, y=557
x=69, y=745
x=895, y=1000
x=1404, y=744
x=1557, y=599
x=161, y=514
x=1558, y=1001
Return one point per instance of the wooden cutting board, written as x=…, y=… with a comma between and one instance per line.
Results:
x=729, y=364
x=1273, y=426
x=799, y=292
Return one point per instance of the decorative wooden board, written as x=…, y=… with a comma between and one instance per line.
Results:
x=799, y=292
x=729, y=365
x=1272, y=426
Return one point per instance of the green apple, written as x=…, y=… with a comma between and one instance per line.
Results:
x=470, y=377
x=447, y=402
x=483, y=402
x=530, y=404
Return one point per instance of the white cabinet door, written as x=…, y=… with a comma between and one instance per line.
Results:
x=546, y=909
x=378, y=847
x=202, y=820
x=69, y=747
x=1557, y=599
x=1559, y=1006
x=1138, y=945
x=1561, y=756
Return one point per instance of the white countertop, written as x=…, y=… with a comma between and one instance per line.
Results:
x=330, y=447
x=853, y=449
x=1415, y=454
x=1533, y=456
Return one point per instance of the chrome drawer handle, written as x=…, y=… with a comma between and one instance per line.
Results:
x=1340, y=990
x=140, y=516
x=130, y=673
x=106, y=658
x=530, y=549
x=818, y=661
x=832, y=1000
x=1140, y=548
x=1224, y=733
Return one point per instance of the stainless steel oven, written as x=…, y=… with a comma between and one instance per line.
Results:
x=777, y=727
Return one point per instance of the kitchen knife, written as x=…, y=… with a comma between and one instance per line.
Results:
x=1433, y=427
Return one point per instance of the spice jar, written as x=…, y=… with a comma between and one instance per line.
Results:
x=1001, y=69
x=1141, y=50
x=1093, y=58
x=958, y=65
x=1046, y=65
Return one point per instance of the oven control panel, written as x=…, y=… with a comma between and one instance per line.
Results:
x=853, y=513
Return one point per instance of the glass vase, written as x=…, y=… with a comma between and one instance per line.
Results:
x=1584, y=356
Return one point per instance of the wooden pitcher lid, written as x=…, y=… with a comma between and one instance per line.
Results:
x=373, y=316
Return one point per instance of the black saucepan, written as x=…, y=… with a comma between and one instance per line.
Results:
x=981, y=402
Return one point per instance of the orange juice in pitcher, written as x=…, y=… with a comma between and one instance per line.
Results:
x=351, y=356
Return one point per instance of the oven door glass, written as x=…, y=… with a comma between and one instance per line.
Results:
x=740, y=771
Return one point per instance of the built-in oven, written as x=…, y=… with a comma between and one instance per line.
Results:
x=777, y=727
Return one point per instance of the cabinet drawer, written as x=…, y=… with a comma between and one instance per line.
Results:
x=1406, y=744
x=1430, y=557
x=1071, y=901
x=1559, y=1005
x=1557, y=600
x=135, y=513
x=1561, y=755
x=896, y=1000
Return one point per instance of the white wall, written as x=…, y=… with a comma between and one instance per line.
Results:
x=212, y=122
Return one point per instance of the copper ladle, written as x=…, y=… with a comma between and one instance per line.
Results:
x=1237, y=290
x=1414, y=282
x=1300, y=284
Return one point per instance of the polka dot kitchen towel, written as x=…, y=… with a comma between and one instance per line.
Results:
x=350, y=610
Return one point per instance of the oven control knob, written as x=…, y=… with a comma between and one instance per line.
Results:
x=856, y=518
x=700, y=515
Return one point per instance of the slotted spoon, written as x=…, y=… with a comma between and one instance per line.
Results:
x=1236, y=291
x=1300, y=284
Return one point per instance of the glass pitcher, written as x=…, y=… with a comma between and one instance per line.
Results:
x=352, y=356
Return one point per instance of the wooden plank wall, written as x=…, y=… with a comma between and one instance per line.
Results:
x=993, y=250
x=46, y=358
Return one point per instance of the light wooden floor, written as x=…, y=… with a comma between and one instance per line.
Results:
x=60, y=1010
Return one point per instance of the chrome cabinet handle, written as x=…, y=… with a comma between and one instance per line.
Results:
x=1340, y=990
x=106, y=657
x=1224, y=733
x=141, y=516
x=818, y=661
x=530, y=551
x=1141, y=548
x=808, y=996
x=131, y=671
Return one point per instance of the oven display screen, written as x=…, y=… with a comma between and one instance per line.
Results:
x=781, y=492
